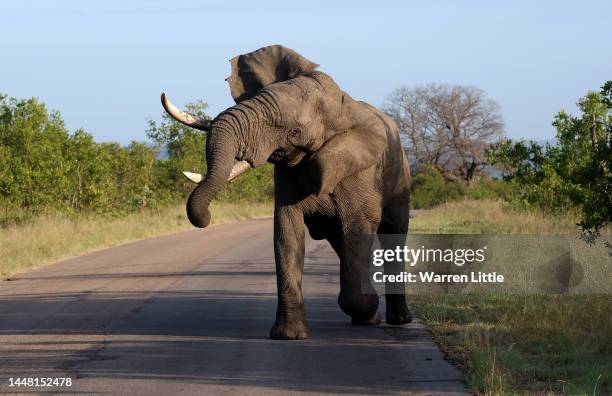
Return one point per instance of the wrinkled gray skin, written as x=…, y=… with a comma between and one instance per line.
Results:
x=339, y=170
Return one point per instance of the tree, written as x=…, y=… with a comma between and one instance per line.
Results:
x=577, y=171
x=44, y=168
x=447, y=127
x=32, y=165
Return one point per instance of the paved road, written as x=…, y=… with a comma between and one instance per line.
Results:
x=190, y=313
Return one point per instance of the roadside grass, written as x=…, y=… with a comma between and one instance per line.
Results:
x=489, y=217
x=518, y=344
x=51, y=238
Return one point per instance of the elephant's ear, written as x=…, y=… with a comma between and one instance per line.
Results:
x=343, y=155
x=253, y=71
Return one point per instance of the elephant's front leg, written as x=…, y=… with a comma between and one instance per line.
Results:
x=289, y=256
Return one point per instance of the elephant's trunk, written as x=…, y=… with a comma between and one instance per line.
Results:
x=236, y=135
x=220, y=153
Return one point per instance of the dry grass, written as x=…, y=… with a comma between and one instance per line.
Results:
x=489, y=217
x=52, y=238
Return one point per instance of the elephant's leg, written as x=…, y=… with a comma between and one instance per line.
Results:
x=397, y=312
x=289, y=257
x=357, y=298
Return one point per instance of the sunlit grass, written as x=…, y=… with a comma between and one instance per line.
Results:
x=489, y=217
x=52, y=238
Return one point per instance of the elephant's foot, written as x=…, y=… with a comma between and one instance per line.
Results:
x=283, y=330
x=362, y=308
x=397, y=312
x=374, y=321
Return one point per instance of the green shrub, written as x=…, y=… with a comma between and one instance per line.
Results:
x=429, y=188
x=255, y=185
x=492, y=189
x=45, y=169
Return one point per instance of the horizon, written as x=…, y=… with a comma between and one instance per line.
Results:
x=103, y=65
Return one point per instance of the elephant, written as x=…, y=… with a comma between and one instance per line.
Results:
x=339, y=171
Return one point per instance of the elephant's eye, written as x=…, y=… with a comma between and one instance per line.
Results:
x=295, y=131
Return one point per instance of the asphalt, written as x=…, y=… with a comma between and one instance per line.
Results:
x=190, y=313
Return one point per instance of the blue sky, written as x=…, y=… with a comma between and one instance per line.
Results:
x=104, y=63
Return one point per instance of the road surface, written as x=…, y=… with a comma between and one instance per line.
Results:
x=189, y=314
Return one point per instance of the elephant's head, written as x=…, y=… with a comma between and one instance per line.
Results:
x=287, y=113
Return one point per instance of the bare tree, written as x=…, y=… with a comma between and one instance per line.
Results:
x=447, y=126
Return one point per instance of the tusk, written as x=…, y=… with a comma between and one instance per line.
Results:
x=239, y=168
x=183, y=117
x=194, y=177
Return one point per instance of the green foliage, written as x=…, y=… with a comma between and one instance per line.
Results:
x=487, y=188
x=45, y=168
x=32, y=161
x=575, y=173
x=256, y=185
x=430, y=188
